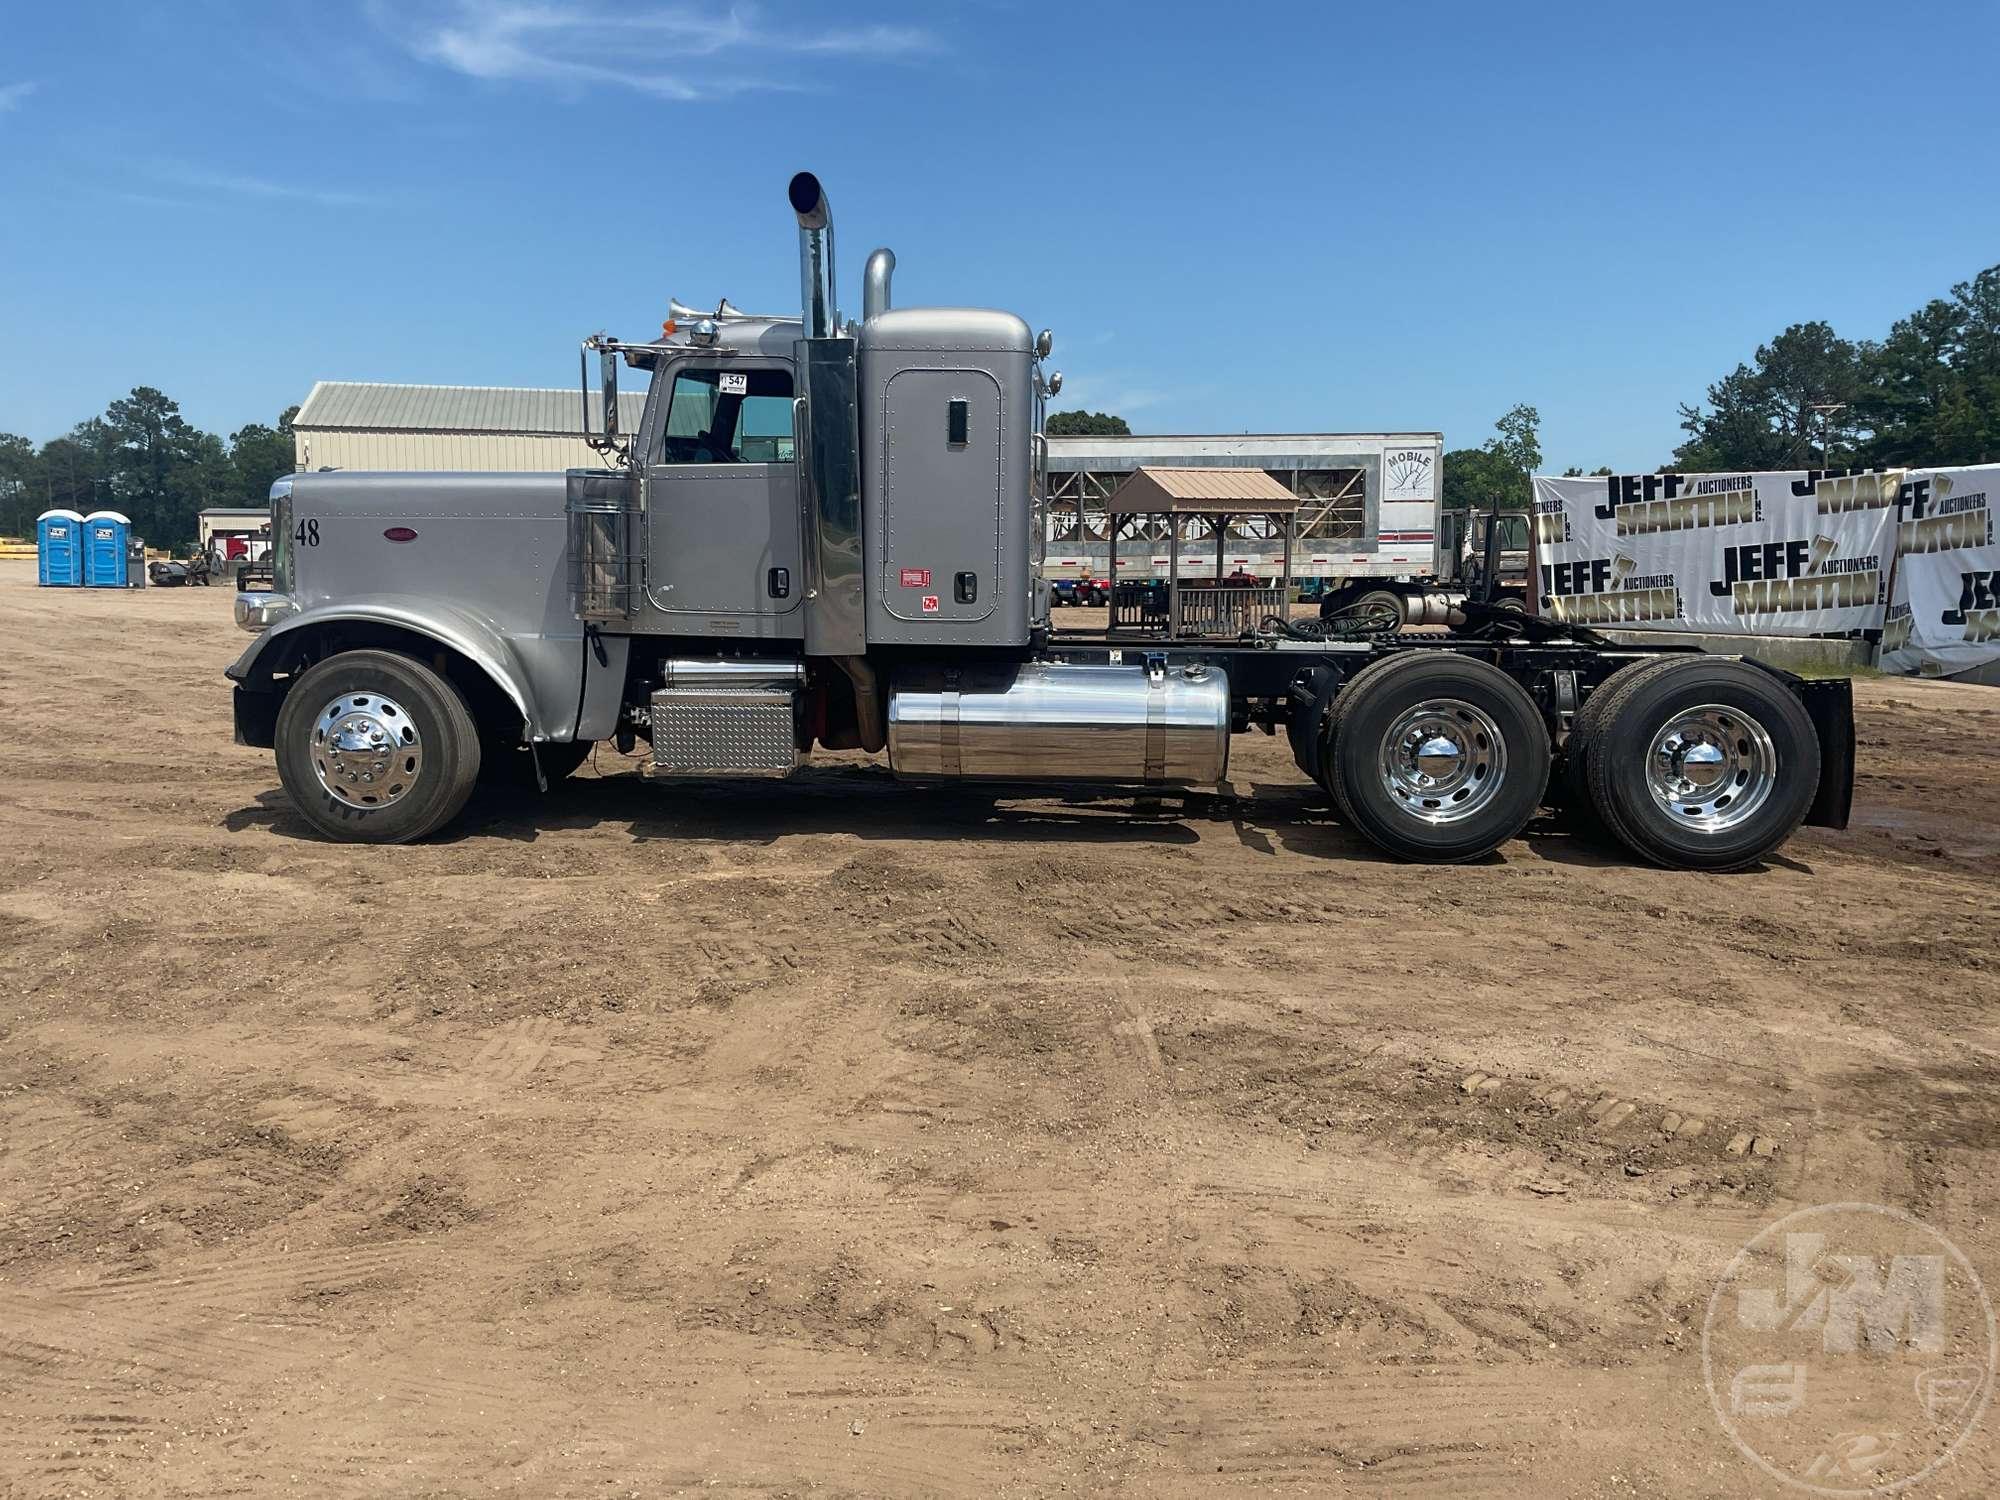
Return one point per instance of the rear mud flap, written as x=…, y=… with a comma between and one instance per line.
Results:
x=1830, y=704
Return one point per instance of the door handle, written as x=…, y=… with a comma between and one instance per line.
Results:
x=779, y=582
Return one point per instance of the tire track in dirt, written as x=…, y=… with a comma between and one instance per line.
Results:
x=249, y=1277
x=846, y=1438
x=1137, y=1072
x=145, y=1354
x=1446, y=1430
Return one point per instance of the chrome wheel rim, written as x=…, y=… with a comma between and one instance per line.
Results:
x=1711, y=768
x=366, y=750
x=1443, y=760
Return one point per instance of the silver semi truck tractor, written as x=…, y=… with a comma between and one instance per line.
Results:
x=828, y=532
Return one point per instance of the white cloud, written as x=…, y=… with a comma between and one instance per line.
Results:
x=237, y=184
x=680, y=51
x=12, y=95
x=1110, y=391
x=152, y=200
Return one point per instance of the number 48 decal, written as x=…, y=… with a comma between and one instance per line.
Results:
x=308, y=533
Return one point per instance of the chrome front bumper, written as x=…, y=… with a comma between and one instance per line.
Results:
x=260, y=611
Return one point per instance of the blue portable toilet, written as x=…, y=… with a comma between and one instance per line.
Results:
x=59, y=549
x=105, y=533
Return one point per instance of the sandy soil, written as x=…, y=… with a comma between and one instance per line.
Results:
x=837, y=1138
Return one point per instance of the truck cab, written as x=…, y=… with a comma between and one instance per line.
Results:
x=1464, y=546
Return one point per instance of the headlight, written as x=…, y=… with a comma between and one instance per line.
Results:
x=258, y=611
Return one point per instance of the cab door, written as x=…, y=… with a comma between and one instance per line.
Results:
x=724, y=527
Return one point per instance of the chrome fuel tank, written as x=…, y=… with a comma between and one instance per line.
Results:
x=1043, y=721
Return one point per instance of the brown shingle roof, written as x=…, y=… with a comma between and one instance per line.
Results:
x=1152, y=491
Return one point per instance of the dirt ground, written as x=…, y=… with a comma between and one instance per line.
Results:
x=837, y=1138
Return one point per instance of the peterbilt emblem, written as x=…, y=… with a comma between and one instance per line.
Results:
x=400, y=534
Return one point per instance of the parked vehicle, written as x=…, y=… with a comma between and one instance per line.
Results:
x=1463, y=561
x=820, y=535
x=1088, y=589
x=1367, y=518
x=1464, y=545
x=169, y=573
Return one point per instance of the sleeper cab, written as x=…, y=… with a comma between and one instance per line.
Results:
x=947, y=430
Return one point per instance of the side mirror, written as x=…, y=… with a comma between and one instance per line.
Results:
x=1055, y=383
x=1044, y=342
x=611, y=441
x=607, y=371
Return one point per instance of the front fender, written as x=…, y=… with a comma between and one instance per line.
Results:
x=280, y=647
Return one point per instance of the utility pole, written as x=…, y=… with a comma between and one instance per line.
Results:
x=1826, y=409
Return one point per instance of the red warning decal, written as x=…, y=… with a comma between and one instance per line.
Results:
x=917, y=578
x=930, y=604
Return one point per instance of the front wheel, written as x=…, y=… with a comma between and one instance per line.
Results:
x=1700, y=764
x=1436, y=757
x=376, y=748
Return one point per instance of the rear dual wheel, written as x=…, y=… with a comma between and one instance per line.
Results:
x=1434, y=756
x=1694, y=763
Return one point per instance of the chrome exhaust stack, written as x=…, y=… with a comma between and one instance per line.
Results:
x=816, y=278
x=829, y=449
x=875, y=283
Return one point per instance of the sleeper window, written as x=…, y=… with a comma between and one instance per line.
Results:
x=729, y=416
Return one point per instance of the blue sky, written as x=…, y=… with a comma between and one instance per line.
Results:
x=1247, y=217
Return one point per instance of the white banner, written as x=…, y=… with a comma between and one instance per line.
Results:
x=1945, y=613
x=1793, y=553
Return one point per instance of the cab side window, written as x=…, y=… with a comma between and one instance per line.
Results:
x=729, y=416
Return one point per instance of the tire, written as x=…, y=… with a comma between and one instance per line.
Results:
x=1584, y=732
x=1386, y=603
x=355, y=697
x=1485, y=794
x=1738, y=802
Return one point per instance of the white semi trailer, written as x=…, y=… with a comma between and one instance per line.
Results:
x=1370, y=534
